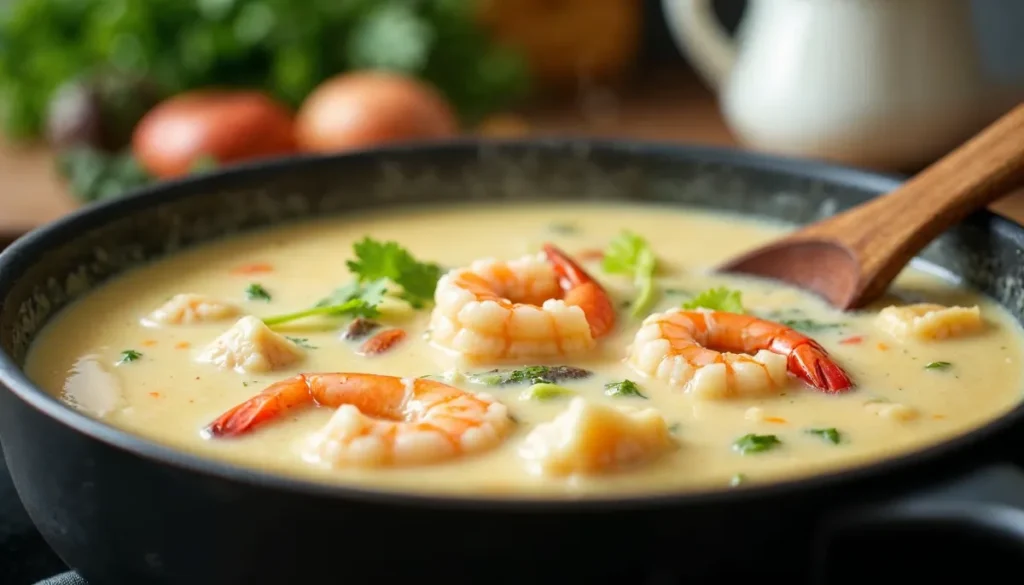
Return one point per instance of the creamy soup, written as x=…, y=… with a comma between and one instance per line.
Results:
x=647, y=411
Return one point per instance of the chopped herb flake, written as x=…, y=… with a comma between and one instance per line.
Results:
x=129, y=355
x=563, y=228
x=717, y=299
x=256, y=292
x=301, y=342
x=623, y=388
x=831, y=435
x=756, y=443
x=529, y=374
x=737, y=479
x=938, y=366
x=377, y=260
x=674, y=428
x=545, y=391
x=631, y=255
x=809, y=325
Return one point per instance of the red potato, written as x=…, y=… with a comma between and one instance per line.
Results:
x=367, y=108
x=229, y=126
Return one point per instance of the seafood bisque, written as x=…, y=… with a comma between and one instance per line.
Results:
x=541, y=350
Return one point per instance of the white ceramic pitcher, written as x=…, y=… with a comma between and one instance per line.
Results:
x=891, y=84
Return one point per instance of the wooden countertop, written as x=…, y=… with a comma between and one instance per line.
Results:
x=668, y=105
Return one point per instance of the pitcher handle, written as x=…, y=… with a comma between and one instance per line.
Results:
x=700, y=35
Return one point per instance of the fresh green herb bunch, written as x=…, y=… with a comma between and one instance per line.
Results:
x=281, y=46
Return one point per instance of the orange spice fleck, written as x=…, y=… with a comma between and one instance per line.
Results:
x=938, y=416
x=852, y=340
x=155, y=394
x=149, y=343
x=775, y=419
x=883, y=346
x=182, y=345
x=587, y=255
x=257, y=268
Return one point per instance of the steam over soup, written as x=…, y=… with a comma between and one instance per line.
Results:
x=532, y=350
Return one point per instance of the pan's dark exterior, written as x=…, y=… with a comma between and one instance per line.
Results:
x=121, y=510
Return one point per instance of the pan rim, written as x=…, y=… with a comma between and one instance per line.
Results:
x=19, y=255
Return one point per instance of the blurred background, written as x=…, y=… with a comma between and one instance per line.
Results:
x=102, y=96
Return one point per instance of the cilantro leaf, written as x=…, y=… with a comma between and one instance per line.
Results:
x=830, y=435
x=631, y=255
x=623, y=388
x=717, y=299
x=376, y=260
x=756, y=443
x=129, y=355
x=256, y=292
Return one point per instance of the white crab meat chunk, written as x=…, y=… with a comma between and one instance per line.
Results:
x=251, y=347
x=927, y=321
x=589, y=438
x=187, y=308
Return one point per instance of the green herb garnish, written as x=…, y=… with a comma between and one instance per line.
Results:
x=674, y=428
x=129, y=355
x=529, y=374
x=545, y=391
x=756, y=443
x=831, y=435
x=938, y=366
x=301, y=342
x=623, y=388
x=376, y=266
x=809, y=325
x=563, y=228
x=630, y=254
x=256, y=292
x=388, y=261
x=737, y=479
x=717, y=299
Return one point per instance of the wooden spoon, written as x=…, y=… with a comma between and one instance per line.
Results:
x=851, y=258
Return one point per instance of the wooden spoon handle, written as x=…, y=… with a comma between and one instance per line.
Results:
x=887, y=232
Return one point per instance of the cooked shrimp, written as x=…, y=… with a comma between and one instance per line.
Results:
x=695, y=350
x=534, y=307
x=381, y=420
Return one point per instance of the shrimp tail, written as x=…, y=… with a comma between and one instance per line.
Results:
x=582, y=290
x=265, y=406
x=570, y=274
x=812, y=364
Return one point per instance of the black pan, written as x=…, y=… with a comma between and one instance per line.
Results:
x=123, y=510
